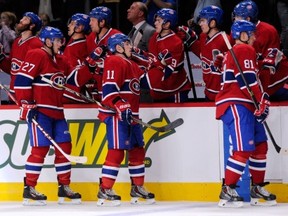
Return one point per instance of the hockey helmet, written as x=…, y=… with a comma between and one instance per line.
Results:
x=211, y=12
x=246, y=9
x=51, y=33
x=242, y=26
x=35, y=19
x=102, y=13
x=117, y=39
x=168, y=15
x=81, y=19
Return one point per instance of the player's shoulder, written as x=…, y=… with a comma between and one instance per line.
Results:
x=244, y=50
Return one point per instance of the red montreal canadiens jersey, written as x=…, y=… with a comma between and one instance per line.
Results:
x=233, y=89
x=93, y=43
x=76, y=51
x=29, y=86
x=18, y=52
x=209, y=48
x=178, y=80
x=121, y=78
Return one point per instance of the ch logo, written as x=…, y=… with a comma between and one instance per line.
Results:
x=58, y=80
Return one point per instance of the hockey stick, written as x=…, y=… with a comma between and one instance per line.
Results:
x=71, y=158
x=165, y=128
x=277, y=147
x=190, y=70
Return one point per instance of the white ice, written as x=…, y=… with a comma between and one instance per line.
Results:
x=126, y=209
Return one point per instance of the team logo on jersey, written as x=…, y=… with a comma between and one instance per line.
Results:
x=207, y=65
x=15, y=64
x=134, y=86
x=58, y=80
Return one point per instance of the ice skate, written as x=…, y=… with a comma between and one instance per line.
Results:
x=64, y=191
x=107, y=197
x=229, y=197
x=260, y=196
x=139, y=195
x=33, y=197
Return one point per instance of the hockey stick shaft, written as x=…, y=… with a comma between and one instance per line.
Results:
x=190, y=70
x=276, y=146
x=71, y=158
x=166, y=128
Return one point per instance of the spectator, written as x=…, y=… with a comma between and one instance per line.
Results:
x=140, y=35
x=141, y=31
x=156, y=5
x=7, y=32
x=282, y=10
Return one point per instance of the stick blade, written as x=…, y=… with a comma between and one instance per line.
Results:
x=172, y=125
x=77, y=159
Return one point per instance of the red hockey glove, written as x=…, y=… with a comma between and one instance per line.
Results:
x=218, y=61
x=96, y=58
x=272, y=59
x=187, y=35
x=123, y=110
x=2, y=54
x=165, y=57
x=28, y=111
x=263, y=110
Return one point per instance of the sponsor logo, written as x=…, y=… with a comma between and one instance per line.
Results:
x=88, y=138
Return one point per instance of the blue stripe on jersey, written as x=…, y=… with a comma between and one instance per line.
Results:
x=250, y=77
x=33, y=167
x=110, y=172
x=235, y=166
x=62, y=168
x=109, y=88
x=257, y=164
x=23, y=81
x=137, y=171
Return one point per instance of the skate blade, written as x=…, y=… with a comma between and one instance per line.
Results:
x=30, y=202
x=141, y=201
x=108, y=203
x=67, y=201
x=226, y=204
x=262, y=202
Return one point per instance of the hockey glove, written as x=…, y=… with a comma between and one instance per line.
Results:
x=2, y=54
x=96, y=58
x=218, y=61
x=272, y=59
x=187, y=35
x=123, y=110
x=167, y=61
x=263, y=109
x=28, y=111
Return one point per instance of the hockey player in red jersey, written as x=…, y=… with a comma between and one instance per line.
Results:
x=210, y=47
x=100, y=23
x=121, y=96
x=166, y=76
x=43, y=102
x=28, y=26
x=235, y=107
x=76, y=49
x=266, y=45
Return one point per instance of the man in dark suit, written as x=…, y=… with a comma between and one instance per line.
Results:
x=141, y=31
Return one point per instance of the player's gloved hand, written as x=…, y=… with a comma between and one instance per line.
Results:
x=271, y=61
x=28, y=111
x=123, y=110
x=96, y=58
x=218, y=61
x=2, y=54
x=165, y=57
x=187, y=35
x=263, y=109
x=154, y=62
